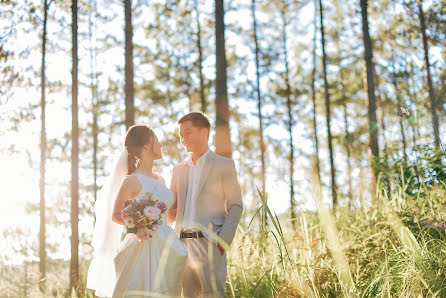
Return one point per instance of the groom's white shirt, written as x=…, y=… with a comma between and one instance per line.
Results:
x=190, y=216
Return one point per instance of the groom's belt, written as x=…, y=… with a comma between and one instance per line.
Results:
x=197, y=235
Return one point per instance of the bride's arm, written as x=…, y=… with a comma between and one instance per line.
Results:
x=130, y=188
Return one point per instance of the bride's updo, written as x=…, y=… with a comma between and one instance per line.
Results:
x=137, y=136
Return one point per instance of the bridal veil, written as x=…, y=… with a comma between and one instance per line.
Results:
x=107, y=234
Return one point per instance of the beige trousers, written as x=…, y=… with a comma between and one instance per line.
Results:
x=205, y=271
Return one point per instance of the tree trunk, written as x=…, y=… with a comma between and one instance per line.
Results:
x=382, y=125
x=344, y=100
x=432, y=100
x=348, y=139
x=129, y=96
x=401, y=122
x=313, y=97
x=380, y=105
x=200, y=58
x=348, y=150
x=414, y=117
x=399, y=108
x=222, y=136
x=290, y=121
x=368, y=57
x=259, y=98
x=94, y=100
x=74, y=265
x=327, y=110
x=381, y=122
x=42, y=234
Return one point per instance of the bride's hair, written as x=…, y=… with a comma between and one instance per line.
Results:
x=137, y=136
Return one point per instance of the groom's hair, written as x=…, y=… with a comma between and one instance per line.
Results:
x=198, y=119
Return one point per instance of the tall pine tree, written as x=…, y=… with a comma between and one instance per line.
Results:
x=42, y=234
x=74, y=264
x=222, y=136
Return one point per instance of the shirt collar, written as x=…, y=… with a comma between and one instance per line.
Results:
x=201, y=160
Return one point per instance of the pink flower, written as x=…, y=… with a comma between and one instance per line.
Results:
x=140, y=223
x=162, y=206
x=152, y=212
x=143, y=234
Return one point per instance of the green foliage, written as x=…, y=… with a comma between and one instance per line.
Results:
x=394, y=248
x=416, y=175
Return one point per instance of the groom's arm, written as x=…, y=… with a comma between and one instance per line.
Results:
x=172, y=211
x=234, y=202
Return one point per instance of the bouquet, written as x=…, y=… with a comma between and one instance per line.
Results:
x=143, y=215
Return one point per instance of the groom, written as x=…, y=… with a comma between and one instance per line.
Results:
x=207, y=194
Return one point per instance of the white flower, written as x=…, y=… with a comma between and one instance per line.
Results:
x=129, y=222
x=152, y=212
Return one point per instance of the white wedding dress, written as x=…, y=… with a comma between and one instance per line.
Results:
x=153, y=266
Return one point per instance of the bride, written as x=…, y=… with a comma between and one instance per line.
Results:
x=131, y=267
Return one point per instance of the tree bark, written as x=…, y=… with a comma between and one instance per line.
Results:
x=200, y=59
x=381, y=124
x=427, y=66
x=348, y=139
x=290, y=121
x=414, y=118
x=348, y=151
x=74, y=264
x=94, y=101
x=129, y=93
x=368, y=57
x=328, y=111
x=399, y=107
x=401, y=122
x=313, y=97
x=259, y=97
x=222, y=136
x=344, y=101
x=42, y=234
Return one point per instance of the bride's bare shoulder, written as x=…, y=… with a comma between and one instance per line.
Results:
x=131, y=179
x=131, y=182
